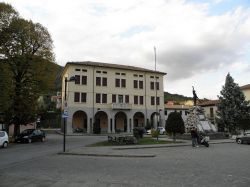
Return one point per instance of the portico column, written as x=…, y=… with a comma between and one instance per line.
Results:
x=128, y=126
x=109, y=125
x=132, y=124
x=113, y=125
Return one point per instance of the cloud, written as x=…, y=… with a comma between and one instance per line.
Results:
x=190, y=41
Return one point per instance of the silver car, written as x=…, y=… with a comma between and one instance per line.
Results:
x=244, y=138
x=4, y=139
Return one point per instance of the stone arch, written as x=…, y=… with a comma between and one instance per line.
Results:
x=101, y=121
x=79, y=121
x=139, y=119
x=121, y=122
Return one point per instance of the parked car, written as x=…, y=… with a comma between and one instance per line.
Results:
x=161, y=130
x=31, y=135
x=4, y=139
x=148, y=132
x=244, y=138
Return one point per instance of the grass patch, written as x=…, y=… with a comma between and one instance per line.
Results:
x=142, y=141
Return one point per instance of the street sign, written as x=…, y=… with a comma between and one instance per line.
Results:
x=65, y=114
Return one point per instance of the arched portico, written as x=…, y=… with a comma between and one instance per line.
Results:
x=120, y=122
x=139, y=119
x=101, y=121
x=79, y=121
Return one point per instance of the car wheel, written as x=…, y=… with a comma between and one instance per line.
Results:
x=239, y=141
x=29, y=140
x=5, y=144
x=43, y=139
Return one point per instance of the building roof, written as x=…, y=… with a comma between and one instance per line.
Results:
x=209, y=103
x=177, y=107
x=245, y=87
x=115, y=66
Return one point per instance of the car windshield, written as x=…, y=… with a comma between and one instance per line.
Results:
x=27, y=131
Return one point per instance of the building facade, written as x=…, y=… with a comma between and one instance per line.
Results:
x=110, y=97
x=246, y=90
x=182, y=109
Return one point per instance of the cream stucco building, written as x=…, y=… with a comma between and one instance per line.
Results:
x=246, y=90
x=111, y=97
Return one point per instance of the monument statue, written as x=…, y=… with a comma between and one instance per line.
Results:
x=194, y=96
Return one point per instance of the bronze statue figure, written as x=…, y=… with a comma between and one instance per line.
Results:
x=194, y=96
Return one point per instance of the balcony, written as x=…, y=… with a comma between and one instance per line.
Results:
x=121, y=106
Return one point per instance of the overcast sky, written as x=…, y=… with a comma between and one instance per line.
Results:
x=197, y=41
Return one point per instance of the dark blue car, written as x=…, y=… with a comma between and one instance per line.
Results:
x=31, y=135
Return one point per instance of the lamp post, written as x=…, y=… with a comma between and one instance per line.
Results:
x=65, y=112
x=156, y=107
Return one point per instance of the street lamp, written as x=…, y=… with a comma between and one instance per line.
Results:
x=65, y=112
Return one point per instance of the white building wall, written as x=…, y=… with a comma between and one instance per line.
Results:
x=91, y=107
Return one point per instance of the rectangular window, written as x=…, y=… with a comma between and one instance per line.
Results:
x=76, y=97
x=104, y=98
x=104, y=81
x=84, y=70
x=141, y=84
x=211, y=112
x=136, y=100
x=151, y=77
x=117, y=73
x=141, y=100
x=140, y=75
x=98, y=71
x=181, y=112
x=123, y=83
x=98, y=81
x=152, y=85
x=104, y=72
x=123, y=74
x=158, y=100
x=135, y=84
x=120, y=98
x=157, y=85
x=77, y=79
x=152, y=100
x=77, y=69
x=126, y=98
x=98, y=98
x=113, y=98
x=135, y=75
x=84, y=80
x=83, y=97
x=117, y=82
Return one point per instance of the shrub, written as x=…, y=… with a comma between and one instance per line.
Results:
x=155, y=133
x=138, y=132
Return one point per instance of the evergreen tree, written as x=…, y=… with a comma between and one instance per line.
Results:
x=232, y=106
x=175, y=124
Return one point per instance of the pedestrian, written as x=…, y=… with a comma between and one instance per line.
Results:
x=194, y=136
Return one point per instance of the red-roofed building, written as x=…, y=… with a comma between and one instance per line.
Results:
x=210, y=109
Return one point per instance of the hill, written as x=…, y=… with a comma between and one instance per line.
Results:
x=175, y=97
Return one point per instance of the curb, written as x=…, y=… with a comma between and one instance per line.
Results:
x=108, y=155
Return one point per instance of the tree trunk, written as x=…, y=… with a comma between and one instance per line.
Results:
x=174, y=137
x=16, y=129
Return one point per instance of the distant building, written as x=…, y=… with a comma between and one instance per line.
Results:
x=210, y=110
x=182, y=109
x=111, y=97
x=246, y=90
